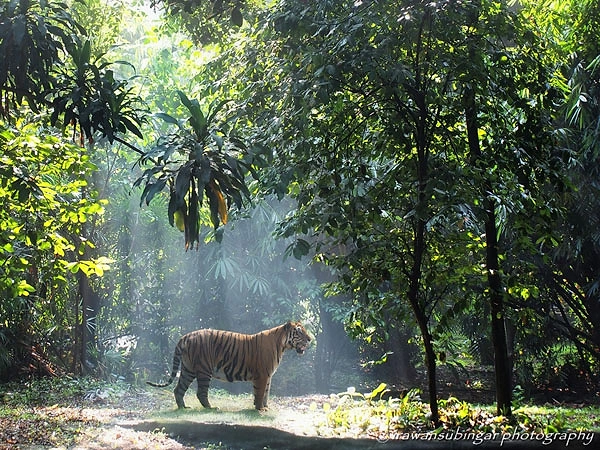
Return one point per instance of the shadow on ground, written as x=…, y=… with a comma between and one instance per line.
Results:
x=244, y=437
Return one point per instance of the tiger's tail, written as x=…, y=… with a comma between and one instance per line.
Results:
x=174, y=370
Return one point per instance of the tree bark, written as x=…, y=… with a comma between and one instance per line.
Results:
x=501, y=360
x=419, y=245
x=422, y=320
x=332, y=343
x=329, y=344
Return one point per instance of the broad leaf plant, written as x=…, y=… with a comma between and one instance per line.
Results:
x=199, y=160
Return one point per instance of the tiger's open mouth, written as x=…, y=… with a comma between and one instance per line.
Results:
x=300, y=350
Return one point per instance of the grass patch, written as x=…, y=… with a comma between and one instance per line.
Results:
x=560, y=418
x=61, y=390
x=360, y=415
x=63, y=412
x=227, y=408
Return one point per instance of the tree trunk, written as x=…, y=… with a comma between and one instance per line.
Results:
x=419, y=244
x=422, y=320
x=430, y=361
x=501, y=360
x=591, y=302
x=327, y=350
x=333, y=343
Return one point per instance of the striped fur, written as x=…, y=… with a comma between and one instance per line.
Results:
x=230, y=356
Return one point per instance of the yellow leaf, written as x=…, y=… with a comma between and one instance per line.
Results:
x=179, y=220
x=222, y=205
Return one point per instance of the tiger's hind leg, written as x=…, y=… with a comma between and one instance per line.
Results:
x=202, y=392
x=185, y=379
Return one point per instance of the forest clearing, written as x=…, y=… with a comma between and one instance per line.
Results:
x=402, y=195
x=92, y=415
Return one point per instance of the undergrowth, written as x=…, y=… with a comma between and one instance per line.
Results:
x=369, y=414
x=62, y=411
x=61, y=390
x=54, y=412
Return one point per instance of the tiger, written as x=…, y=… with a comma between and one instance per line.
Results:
x=230, y=356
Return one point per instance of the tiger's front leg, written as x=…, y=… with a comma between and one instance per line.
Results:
x=261, y=393
x=267, y=391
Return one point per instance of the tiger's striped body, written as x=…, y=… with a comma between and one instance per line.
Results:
x=230, y=356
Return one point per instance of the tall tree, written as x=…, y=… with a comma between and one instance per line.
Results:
x=48, y=68
x=43, y=215
x=378, y=150
x=370, y=98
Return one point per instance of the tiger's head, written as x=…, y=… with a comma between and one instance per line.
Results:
x=298, y=338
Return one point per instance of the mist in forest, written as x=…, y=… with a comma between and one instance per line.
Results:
x=464, y=262
x=158, y=291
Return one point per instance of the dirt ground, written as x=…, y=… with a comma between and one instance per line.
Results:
x=149, y=420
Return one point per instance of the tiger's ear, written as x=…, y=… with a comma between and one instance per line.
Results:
x=288, y=325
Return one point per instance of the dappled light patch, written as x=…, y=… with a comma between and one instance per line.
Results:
x=84, y=414
x=125, y=438
x=352, y=414
x=50, y=425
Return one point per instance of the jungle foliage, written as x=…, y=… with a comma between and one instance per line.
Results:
x=424, y=173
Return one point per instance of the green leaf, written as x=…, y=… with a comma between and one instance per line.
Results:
x=193, y=221
x=73, y=266
x=215, y=108
x=172, y=208
x=300, y=249
x=236, y=17
x=218, y=140
x=213, y=202
x=379, y=390
x=185, y=100
x=84, y=56
x=197, y=119
x=129, y=125
x=167, y=118
x=182, y=183
x=19, y=29
x=152, y=189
